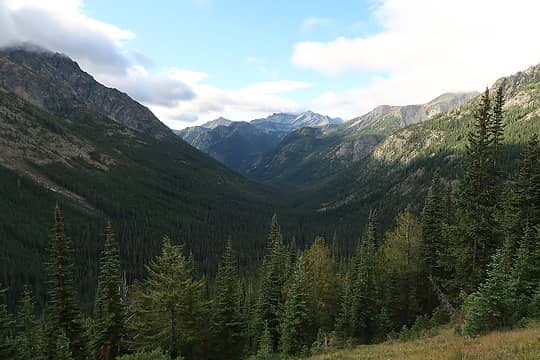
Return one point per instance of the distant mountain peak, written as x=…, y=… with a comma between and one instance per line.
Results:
x=220, y=121
x=313, y=119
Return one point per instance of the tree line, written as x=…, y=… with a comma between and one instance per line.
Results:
x=472, y=257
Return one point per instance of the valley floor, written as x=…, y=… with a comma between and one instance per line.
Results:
x=517, y=344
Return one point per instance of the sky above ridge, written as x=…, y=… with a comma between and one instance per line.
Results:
x=191, y=61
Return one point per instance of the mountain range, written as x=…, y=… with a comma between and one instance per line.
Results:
x=238, y=144
x=309, y=154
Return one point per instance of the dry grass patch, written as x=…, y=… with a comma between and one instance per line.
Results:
x=517, y=344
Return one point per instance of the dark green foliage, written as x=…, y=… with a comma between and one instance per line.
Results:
x=63, y=312
x=525, y=279
x=478, y=197
x=323, y=284
x=405, y=286
x=270, y=302
x=109, y=311
x=7, y=325
x=30, y=341
x=227, y=327
x=363, y=306
x=266, y=344
x=152, y=355
x=493, y=305
x=63, y=348
x=296, y=325
x=433, y=237
x=496, y=131
x=169, y=308
x=522, y=204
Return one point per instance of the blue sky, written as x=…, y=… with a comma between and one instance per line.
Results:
x=237, y=42
x=191, y=61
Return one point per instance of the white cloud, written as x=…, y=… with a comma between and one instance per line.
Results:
x=426, y=47
x=313, y=22
x=99, y=47
x=179, y=97
x=246, y=103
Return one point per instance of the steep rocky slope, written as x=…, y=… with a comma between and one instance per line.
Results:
x=48, y=80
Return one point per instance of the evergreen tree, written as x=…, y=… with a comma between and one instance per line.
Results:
x=524, y=279
x=64, y=316
x=522, y=196
x=433, y=239
x=364, y=301
x=227, y=326
x=323, y=285
x=269, y=305
x=496, y=131
x=478, y=199
x=266, y=343
x=405, y=296
x=343, y=326
x=63, y=348
x=109, y=310
x=528, y=186
x=6, y=331
x=296, y=324
x=492, y=306
x=30, y=341
x=169, y=308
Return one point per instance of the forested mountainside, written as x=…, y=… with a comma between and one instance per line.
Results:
x=399, y=169
x=239, y=144
x=307, y=156
x=67, y=140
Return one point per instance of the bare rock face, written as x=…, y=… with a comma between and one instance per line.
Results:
x=49, y=79
x=411, y=114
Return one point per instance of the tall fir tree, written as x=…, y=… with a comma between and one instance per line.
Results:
x=478, y=197
x=169, y=308
x=496, y=132
x=433, y=239
x=227, y=327
x=528, y=185
x=63, y=313
x=296, y=326
x=364, y=298
x=30, y=340
x=521, y=200
x=270, y=302
x=524, y=273
x=109, y=313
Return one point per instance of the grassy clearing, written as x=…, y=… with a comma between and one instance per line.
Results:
x=517, y=344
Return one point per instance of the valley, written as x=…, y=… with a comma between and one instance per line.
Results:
x=326, y=215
